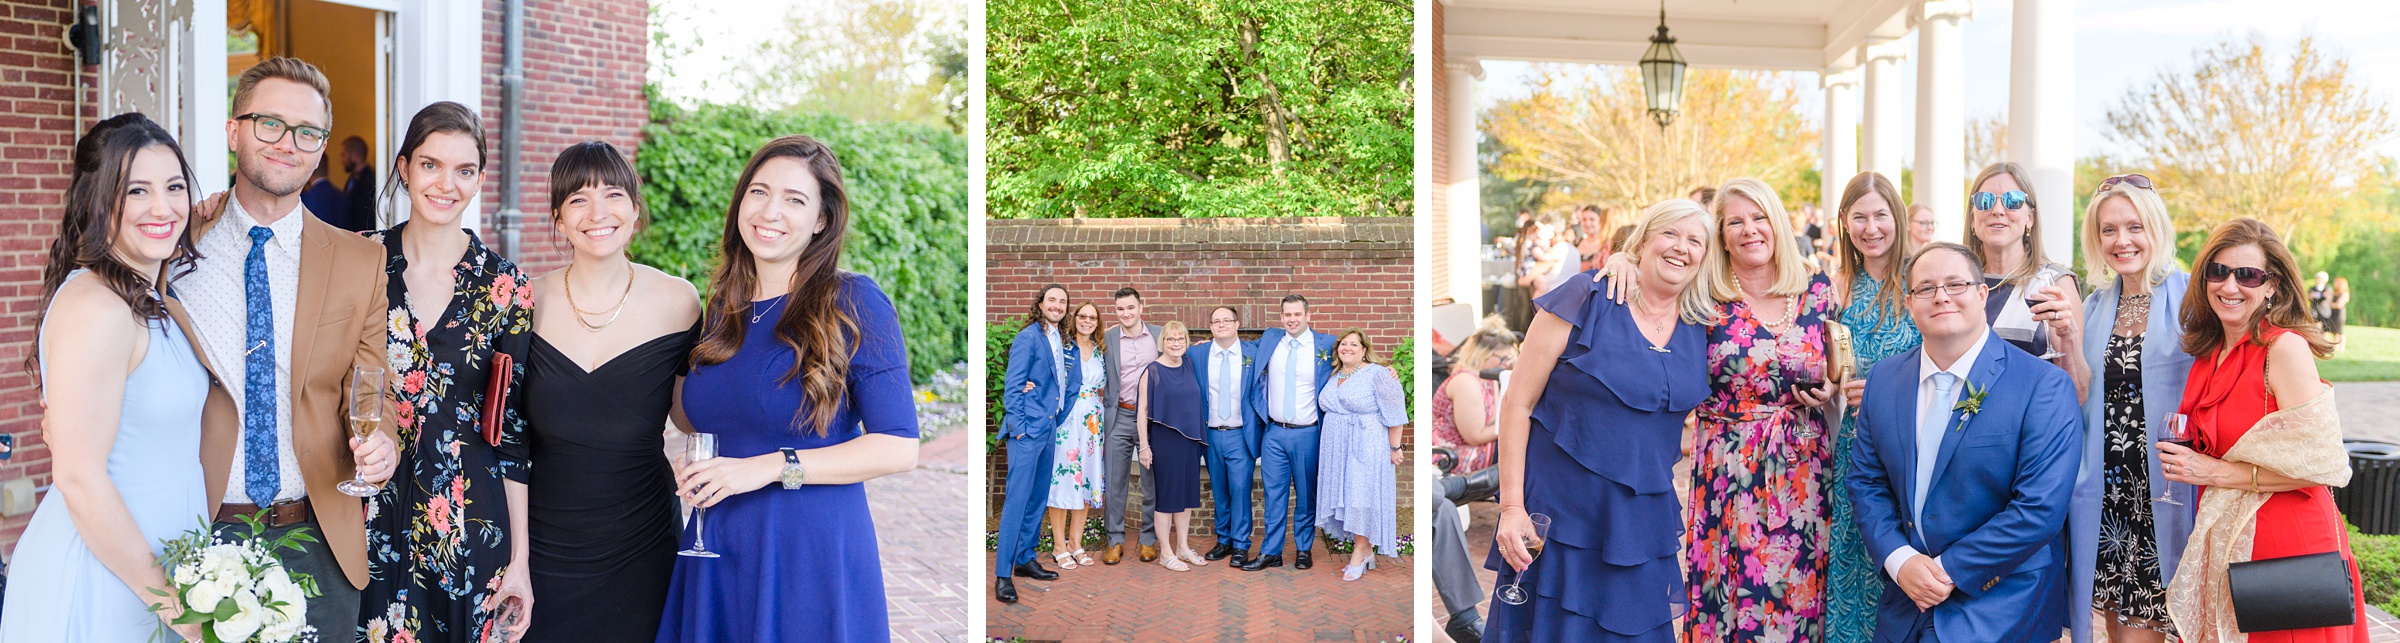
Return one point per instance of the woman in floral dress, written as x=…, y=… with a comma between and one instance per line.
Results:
x=443, y=536
x=1874, y=242
x=1075, y=482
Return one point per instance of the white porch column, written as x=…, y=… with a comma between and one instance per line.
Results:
x=1885, y=138
x=1942, y=113
x=2041, y=114
x=1841, y=141
x=1466, y=204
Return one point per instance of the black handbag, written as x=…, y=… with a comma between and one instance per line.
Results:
x=2292, y=593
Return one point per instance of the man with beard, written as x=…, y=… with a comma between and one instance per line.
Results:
x=1033, y=402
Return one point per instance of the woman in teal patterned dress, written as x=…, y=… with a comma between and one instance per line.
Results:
x=1874, y=242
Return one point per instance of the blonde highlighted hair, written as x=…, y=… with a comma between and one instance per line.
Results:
x=2152, y=212
x=2034, y=259
x=1695, y=304
x=1791, y=265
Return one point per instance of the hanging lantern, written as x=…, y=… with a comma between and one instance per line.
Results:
x=1662, y=73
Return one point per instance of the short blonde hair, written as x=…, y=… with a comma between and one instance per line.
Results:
x=1174, y=329
x=1791, y=265
x=2155, y=223
x=1696, y=304
x=287, y=68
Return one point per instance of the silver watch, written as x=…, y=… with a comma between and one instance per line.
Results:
x=794, y=474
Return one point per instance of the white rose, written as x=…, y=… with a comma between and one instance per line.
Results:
x=206, y=594
x=247, y=618
x=186, y=574
x=279, y=632
x=278, y=587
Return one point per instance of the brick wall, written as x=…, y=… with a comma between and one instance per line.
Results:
x=1356, y=272
x=1437, y=183
x=37, y=143
x=584, y=65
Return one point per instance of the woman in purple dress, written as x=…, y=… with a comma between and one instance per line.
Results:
x=1358, y=453
x=1589, y=436
x=801, y=375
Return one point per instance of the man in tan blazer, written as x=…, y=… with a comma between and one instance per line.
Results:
x=285, y=306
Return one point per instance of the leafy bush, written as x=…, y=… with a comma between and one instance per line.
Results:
x=908, y=207
x=1404, y=365
x=2370, y=257
x=996, y=337
x=2378, y=568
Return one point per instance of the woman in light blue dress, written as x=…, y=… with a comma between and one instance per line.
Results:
x=124, y=388
x=1358, y=452
x=1874, y=242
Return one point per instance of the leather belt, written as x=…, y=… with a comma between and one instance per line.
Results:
x=1224, y=428
x=1128, y=407
x=1289, y=426
x=279, y=515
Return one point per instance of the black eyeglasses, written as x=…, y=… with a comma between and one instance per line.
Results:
x=2247, y=277
x=270, y=130
x=2012, y=199
x=2135, y=180
x=1954, y=289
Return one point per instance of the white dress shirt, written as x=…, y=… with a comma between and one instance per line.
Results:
x=213, y=294
x=1927, y=398
x=1292, y=382
x=1225, y=385
x=1058, y=362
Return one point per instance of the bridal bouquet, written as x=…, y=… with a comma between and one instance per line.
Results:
x=237, y=591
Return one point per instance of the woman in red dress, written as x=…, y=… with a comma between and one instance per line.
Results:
x=2252, y=292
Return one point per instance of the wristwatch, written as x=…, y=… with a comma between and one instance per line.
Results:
x=794, y=475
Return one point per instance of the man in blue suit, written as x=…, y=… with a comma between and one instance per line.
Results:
x=1963, y=470
x=1227, y=366
x=1295, y=361
x=1034, y=402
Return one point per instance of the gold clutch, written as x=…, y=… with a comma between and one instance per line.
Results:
x=1841, y=356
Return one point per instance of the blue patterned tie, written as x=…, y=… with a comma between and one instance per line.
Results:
x=261, y=477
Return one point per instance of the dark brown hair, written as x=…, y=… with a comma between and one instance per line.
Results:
x=820, y=331
x=1033, y=315
x=437, y=118
x=1099, y=325
x=88, y=225
x=2203, y=333
x=595, y=163
x=1854, y=263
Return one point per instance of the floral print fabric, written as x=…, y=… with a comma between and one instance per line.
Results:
x=1075, y=480
x=438, y=533
x=1854, y=583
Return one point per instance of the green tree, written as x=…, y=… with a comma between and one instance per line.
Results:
x=1243, y=108
x=869, y=60
x=1583, y=130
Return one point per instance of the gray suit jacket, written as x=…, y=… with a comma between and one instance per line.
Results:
x=1109, y=393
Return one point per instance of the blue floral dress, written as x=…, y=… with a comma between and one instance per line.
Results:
x=437, y=535
x=1854, y=583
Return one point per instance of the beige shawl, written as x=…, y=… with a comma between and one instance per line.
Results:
x=2303, y=442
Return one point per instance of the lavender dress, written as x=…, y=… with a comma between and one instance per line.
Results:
x=1354, y=457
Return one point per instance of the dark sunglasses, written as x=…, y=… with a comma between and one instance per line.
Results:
x=2012, y=199
x=2135, y=180
x=2247, y=277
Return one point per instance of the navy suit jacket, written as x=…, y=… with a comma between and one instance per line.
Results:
x=1252, y=359
x=1036, y=413
x=1996, y=508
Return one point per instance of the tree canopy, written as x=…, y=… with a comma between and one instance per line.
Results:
x=1584, y=131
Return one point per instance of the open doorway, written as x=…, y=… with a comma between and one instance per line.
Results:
x=350, y=42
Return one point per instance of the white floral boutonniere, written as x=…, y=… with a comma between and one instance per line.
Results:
x=1969, y=405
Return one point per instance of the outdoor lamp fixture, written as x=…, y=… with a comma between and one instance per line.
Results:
x=1662, y=73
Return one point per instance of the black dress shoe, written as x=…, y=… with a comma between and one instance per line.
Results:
x=1240, y=558
x=1005, y=590
x=1034, y=570
x=1465, y=627
x=1218, y=552
x=1300, y=560
x=1263, y=562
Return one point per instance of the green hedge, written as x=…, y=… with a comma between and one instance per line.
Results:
x=908, y=207
x=2379, y=568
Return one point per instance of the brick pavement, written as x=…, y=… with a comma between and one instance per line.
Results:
x=1137, y=601
x=920, y=523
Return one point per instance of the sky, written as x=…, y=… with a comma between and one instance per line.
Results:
x=2121, y=45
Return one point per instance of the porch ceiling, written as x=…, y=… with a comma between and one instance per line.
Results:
x=1807, y=35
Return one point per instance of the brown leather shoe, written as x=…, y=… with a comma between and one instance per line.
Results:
x=1113, y=554
x=1149, y=553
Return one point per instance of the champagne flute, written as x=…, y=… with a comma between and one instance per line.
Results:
x=700, y=446
x=1515, y=593
x=2179, y=433
x=366, y=413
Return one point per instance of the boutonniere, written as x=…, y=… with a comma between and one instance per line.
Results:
x=1325, y=356
x=1969, y=405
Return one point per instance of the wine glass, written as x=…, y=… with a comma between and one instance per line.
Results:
x=2179, y=433
x=1515, y=593
x=2032, y=290
x=701, y=446
x=366, y=413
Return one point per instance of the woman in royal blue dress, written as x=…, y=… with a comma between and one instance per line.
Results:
x=801, y=375
x=1589, y=436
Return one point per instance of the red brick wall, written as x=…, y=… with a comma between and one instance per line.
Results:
x=37, y=142
x=584, y=65
x=1356, y=272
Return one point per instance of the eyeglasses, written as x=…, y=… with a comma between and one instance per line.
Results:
x=270, y=130
x=2135, y=180
x=2012, y=199
x=1954, y=289
x=2247, y=277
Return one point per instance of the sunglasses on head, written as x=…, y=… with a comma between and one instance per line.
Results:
x=2135, y=180
x=2247, y=277
x=2012, y=199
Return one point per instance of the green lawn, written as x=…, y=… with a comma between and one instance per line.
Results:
x=2369, y=354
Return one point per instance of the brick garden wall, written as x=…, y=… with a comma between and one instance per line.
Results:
x=1356, y=272
x=584, y=65
x=37, y=143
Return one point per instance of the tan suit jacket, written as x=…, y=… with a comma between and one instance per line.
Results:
x=338, y=323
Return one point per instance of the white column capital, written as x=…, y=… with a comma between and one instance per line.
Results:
x=1471, y=66
x=1837, y=79
x=1883, y=51
x=1960, y=10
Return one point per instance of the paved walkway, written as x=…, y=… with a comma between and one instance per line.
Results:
x=1137, y=601
x=2370, y=410
x=918, y=530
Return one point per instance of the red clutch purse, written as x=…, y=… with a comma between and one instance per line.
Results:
x=495, y=396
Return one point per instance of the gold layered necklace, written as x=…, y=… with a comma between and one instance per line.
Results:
x=612, y=313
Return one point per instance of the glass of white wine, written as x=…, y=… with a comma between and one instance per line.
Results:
x=701, y=446
x=366, y=413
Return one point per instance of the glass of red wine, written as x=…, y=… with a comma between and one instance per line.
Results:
x=2178, y=433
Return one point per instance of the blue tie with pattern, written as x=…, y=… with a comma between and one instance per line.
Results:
x=261, y=477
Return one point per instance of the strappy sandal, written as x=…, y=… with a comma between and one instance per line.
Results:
x=1194, y=558
x=1083, y=559
x=1173, y=563
x=1066, y=560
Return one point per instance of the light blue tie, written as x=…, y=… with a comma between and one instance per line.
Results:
x=1291, y=379
x=1225, y=367
x=261, y=473
x=1931, y=422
